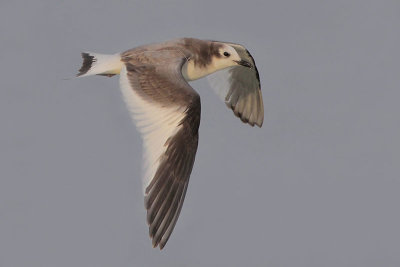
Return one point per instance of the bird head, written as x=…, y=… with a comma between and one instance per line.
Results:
x=227, y=56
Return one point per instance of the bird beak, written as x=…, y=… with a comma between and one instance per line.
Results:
x=243, y=63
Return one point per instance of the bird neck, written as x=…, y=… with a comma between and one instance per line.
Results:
x=192, y=71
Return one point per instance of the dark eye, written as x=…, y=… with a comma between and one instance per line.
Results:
x=226, y=54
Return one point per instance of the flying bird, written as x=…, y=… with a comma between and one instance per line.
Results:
x=166, y=110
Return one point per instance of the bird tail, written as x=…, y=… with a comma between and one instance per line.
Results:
x=100, y=64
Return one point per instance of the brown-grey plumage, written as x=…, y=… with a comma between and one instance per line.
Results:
x=154, y=81
x=164, y=195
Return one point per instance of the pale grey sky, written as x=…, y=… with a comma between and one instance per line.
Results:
x=317, y=185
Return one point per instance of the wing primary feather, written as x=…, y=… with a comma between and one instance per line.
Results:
x=166, y=220
x=157, y=201
x=170, y=228
x=162, y=208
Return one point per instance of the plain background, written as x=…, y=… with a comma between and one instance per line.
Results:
x=317, y=185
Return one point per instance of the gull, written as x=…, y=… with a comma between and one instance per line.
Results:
x=166, y=110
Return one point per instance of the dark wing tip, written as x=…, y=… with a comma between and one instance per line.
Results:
x=161, y=246
x=259, y=124
x=86, y=64
x=251, y=120
x=255, y=67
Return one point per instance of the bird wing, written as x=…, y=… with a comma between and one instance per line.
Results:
x=240, y=88
x=166, y=111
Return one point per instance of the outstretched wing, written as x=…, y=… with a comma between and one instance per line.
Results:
x=240, y=88
x=166, y=111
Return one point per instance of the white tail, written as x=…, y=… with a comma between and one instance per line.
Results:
x=100, y=64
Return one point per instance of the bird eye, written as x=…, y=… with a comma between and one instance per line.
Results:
x=226, y=54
